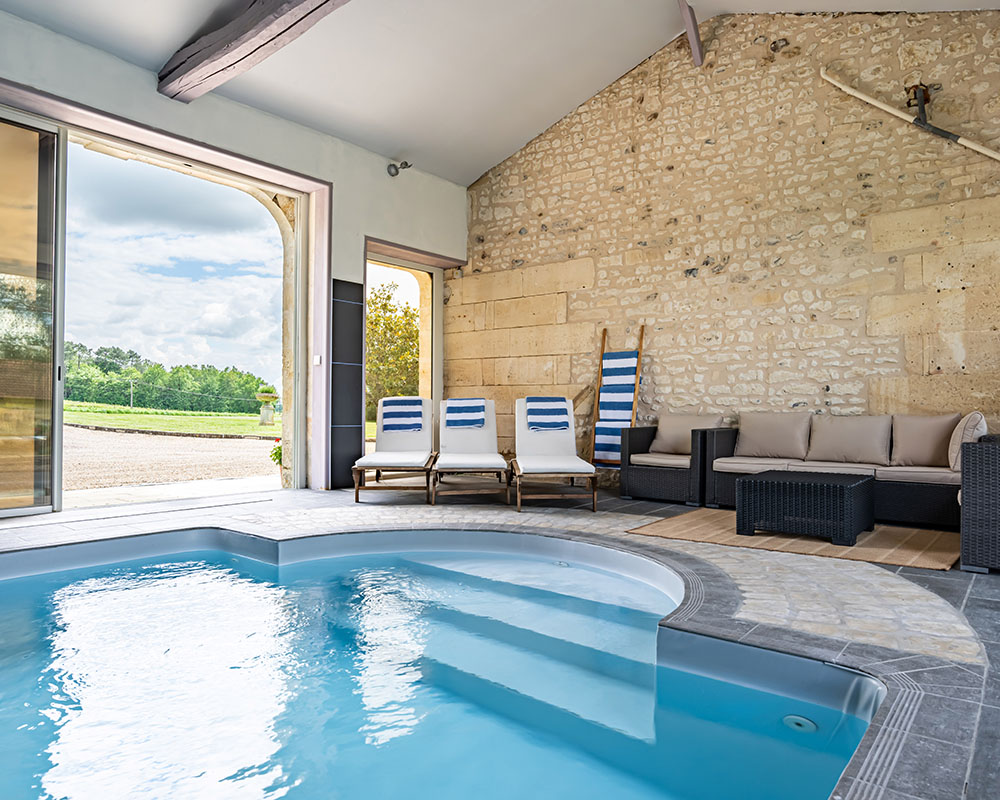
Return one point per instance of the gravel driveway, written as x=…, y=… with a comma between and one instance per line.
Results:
x=95, y=459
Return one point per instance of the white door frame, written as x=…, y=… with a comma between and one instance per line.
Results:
x=58, y=306
x=313, y=253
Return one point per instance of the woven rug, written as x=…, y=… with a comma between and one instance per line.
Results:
x=887, y=544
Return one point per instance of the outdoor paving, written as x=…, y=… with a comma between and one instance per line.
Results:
x=154, y=492
x=97, y=459
x=932, y=637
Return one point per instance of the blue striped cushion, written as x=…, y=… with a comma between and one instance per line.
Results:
x=465, y=412
x=614, y=411
x=547, y=413
x=402, y=414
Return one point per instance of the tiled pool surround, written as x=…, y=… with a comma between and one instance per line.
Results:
x=924, y=737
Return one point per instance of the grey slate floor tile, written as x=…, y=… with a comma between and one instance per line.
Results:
x=951, y=590
x=986, y=586
x=984, y=615
x=930, y=768
x=984, y=777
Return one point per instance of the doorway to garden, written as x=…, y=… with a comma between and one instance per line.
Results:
x=399, y=335
x=175, y=342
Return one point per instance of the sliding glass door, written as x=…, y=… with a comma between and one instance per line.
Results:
x=30, y=300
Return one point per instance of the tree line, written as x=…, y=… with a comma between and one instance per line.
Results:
x=124, y=378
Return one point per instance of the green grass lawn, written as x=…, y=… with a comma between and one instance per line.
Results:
x=158, y=419
x=370, y=430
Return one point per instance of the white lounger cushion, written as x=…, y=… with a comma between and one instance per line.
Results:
x=402, y=458
x=538, y=465
x=540, y=452
x=470, y=461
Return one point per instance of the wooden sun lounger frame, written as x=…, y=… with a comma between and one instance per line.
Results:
x=360, y=473
x=503, y=475
x=600, y=383
x=518, y=476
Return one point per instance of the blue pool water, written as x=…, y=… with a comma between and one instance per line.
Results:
x=424, y=675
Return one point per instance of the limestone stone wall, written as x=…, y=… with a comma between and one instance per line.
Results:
x=786, y=245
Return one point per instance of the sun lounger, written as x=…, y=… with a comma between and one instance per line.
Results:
x=403, y=444
x=545, y=442
x=468, y=445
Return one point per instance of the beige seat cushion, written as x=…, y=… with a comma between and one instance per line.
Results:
x=660, y=460
x=922, y=441
x=843, y=467
x=773, y=434
x=857, y=439
x=749, y=466
x=971, y=428
x=673, y=431
x=919, y=475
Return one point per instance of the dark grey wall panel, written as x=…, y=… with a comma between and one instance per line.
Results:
x=347, y=423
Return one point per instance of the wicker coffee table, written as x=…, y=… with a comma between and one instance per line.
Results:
x=833, y=506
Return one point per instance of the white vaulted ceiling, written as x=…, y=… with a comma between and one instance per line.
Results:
x=454, y=86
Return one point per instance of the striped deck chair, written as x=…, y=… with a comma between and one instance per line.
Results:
x=617, y=401
x=403, y=444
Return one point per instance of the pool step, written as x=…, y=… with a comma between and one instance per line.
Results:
x=622, y=706
x=638, y=756
x=599, y=661
x=630, y=636
x=553, y=583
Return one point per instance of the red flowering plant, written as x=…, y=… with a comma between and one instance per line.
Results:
x=276, y=452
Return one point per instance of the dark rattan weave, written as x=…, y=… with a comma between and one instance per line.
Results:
x=981, y=503
x=832, y=506
x=667, y=484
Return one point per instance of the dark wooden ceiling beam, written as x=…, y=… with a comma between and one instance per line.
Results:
x=264, y=28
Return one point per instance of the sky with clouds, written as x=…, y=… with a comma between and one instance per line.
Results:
x=179, y=269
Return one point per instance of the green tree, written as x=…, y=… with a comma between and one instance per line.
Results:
x=113, y=375
x=392, y=347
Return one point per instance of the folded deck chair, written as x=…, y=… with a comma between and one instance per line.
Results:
x=545, y=441
x=403, y=443
x=468, y=445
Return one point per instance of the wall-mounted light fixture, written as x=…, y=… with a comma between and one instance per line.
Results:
x=394, y=169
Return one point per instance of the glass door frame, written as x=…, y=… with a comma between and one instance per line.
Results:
x=58, y=212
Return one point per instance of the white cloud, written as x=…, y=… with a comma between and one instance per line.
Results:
x=174, y=293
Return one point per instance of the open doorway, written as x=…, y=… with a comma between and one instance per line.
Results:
x=179, y=346
x=399, y=336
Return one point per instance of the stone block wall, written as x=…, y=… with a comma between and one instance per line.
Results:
x=786, y=245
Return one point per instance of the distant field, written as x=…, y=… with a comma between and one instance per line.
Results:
x=370, y=430
x=158, y=419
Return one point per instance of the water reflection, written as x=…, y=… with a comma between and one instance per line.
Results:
x=167, y=683
x=389, y=642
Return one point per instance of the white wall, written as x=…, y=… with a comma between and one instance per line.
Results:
x=415, y=209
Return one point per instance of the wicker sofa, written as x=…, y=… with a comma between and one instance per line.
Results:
x=915, y=460
x=666, y=462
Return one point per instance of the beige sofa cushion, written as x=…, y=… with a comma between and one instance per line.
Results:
x=843, y=467
x=747, y=465
x=922, y=441
x=856, y=439
x=944, y=475
x=673, y=431
x=971, y=428
x=660, y=460
x=773, y=434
